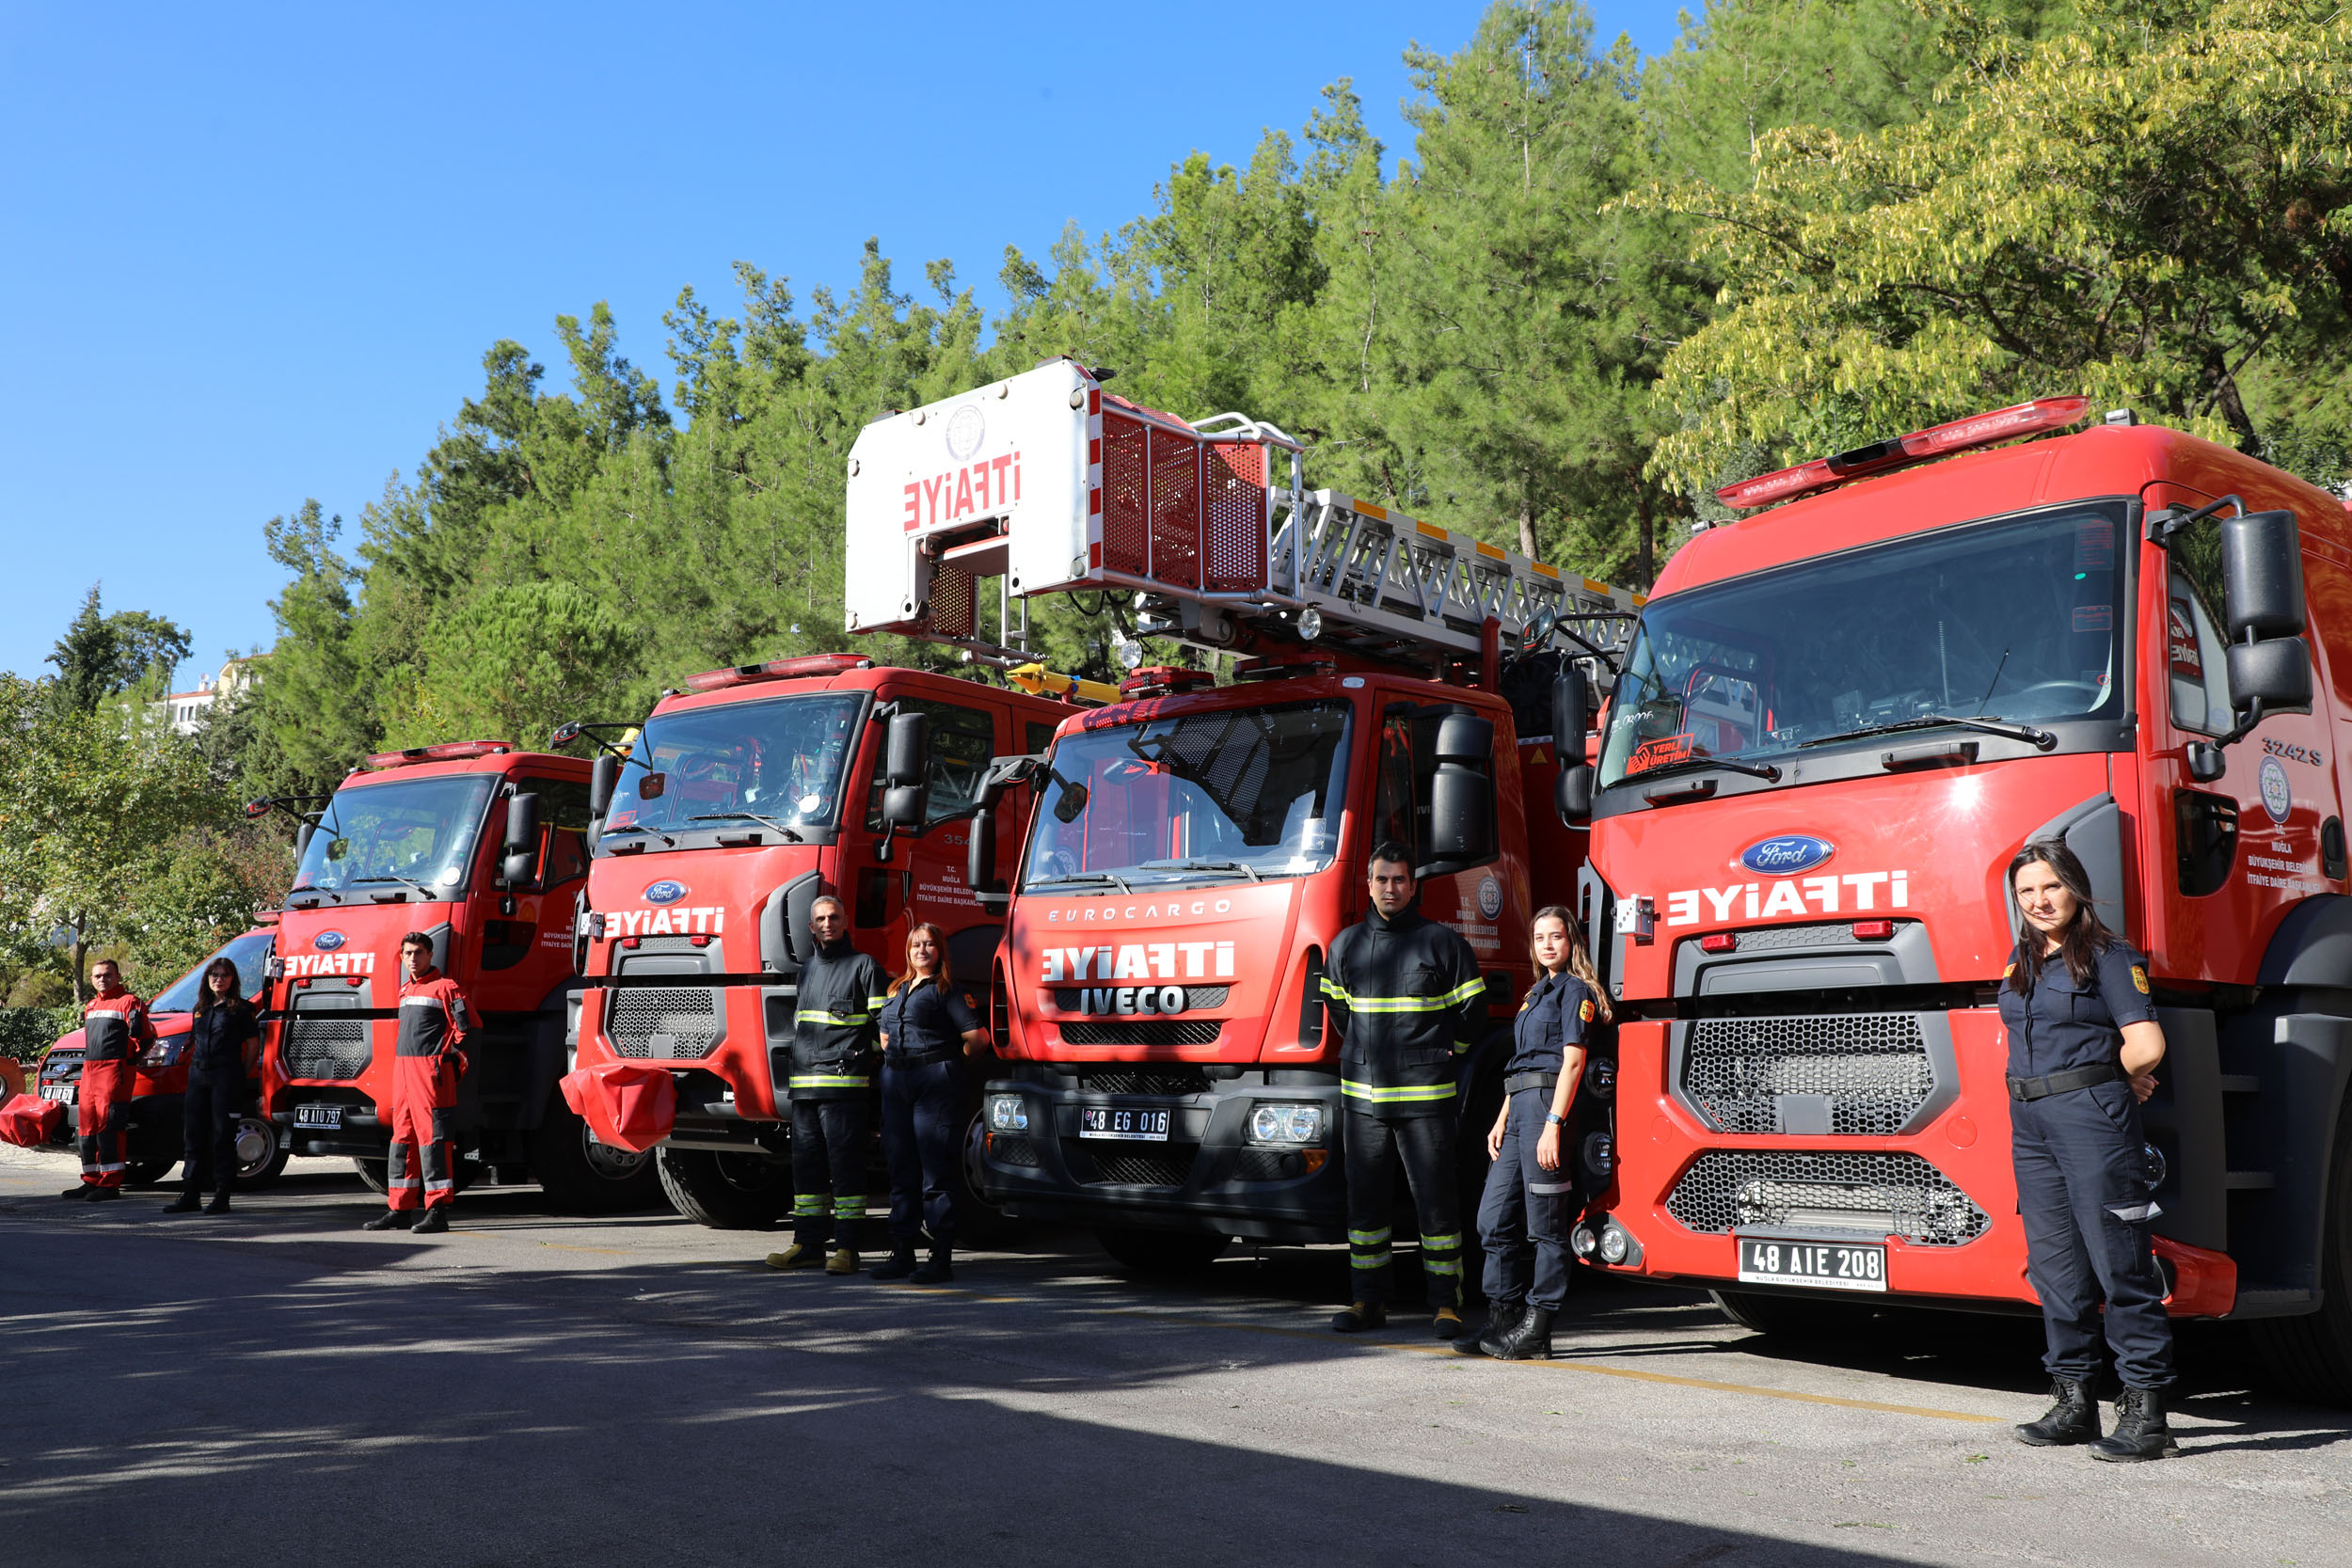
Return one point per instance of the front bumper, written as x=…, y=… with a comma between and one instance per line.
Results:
x=1206, y=1178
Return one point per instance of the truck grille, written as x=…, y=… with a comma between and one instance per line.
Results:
x=662, y=1022
x=319, y=1046
x=1142, y=1170
x=1881, y=1194
x=1150, y=1031
x=1010, y=1150
x=1871, y=1068
x=1180, y=1080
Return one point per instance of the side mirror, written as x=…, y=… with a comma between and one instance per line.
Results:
x=1571, y=719
x=521, y=864
x=2261, y=576
x=565, y=735
x=979, y=856
x=254, y=810
x=604, y=776
x=2275, y=674
x=1461, y=794
x=1572, y=794
x=906, y=769
x=302, y=839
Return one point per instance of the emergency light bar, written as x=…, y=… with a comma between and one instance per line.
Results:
x=778, y=670
x=455, y=751
x=1920, y=446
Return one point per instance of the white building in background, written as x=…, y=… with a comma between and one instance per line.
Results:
x=186, y=710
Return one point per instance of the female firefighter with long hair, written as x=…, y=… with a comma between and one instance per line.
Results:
x=1530, y=1202
x=2083, y=1048
x=928, y=1028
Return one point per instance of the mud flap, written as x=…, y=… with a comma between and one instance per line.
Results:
x=625, y=1104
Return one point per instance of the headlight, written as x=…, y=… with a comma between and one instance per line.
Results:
x=1601, y=1078
x=1286, y=1124
x=2153, y=1158
x=1601, y=1155
x=1614, y=1244
x=1007, y=1112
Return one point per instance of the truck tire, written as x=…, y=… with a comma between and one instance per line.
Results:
x=979, y=1222
x=2309, y=1357
x=262, y=1154
x=726, y=1192
x=1161, y=1254
x=582, y=1176
x=1792, y=1318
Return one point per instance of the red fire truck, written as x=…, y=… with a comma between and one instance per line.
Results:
x=1196, y=847
x=717, y=824
x=484, y=848
x=1834, y=724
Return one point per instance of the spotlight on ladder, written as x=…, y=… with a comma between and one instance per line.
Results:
x=1309, y=624
x=1128, y=652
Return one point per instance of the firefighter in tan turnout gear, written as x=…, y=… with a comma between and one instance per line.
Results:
x=426, y=1062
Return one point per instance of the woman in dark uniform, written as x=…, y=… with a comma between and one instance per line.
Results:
x=928, y=1028
x=1529, y=1201
x=2083, y=1047
x=222, y=1045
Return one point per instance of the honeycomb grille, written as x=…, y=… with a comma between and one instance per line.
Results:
x=1142, y=1170
x=1013, y=1151
x=662, y=1022
x=1146, y=1081
x=1899, y=1195
x=1153, y=1031
x=324, y=1048
x=1872, y=1067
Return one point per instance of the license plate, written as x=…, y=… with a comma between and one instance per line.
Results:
x=1113, y=1121
x=1824, y=1265
x=326, y=1117
x=57, y=1091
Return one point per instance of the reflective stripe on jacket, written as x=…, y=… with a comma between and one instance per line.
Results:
x=1408, y=1001
x=433, y=1015
x=837, y=1023
x=111, y=1024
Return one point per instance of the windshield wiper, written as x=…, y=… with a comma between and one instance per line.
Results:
x=751, y=816
x=1764, y=770
x=2042, y=740
x=1247, y=871
x=667, y=842
x=394, y=877
x=1095, y=877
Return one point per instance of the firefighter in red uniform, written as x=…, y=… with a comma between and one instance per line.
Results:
x=434, y=1018
x=115, y=1030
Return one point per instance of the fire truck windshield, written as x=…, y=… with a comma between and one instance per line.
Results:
x=2011, y=620
x=418, y=834
x=705, y=769
x=1246, y=793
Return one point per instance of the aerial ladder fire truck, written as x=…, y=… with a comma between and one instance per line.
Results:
x=1195, y=846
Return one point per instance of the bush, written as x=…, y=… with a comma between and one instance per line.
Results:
x=26, y=1032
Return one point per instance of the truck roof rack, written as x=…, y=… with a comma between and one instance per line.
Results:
x=1051, y=484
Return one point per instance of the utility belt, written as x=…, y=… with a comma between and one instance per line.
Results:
x=2061, y=1082
x=1517, y=1081
x=907, y=1061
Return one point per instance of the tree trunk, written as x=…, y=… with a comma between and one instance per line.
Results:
x=1647, y=564
x=1527, y=530
x=81, y=957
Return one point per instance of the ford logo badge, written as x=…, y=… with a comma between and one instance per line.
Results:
x=1787, y=855
x=665, y=892
x=328, y=941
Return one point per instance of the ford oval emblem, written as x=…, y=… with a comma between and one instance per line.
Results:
x=666, y=891
x=1787, y=855
x=328, y=941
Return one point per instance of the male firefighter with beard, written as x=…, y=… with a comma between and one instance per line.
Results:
x=114, y=1031
x=1409, y=1001
x=831, y=1079
x=427, y=1061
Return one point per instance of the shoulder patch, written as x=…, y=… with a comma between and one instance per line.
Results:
x=2009, y=970
x=969, y=1003
x=2140, y=978
x=1584, y=1010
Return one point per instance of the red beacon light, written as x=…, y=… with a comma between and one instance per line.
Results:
x=778, y=670
x=455, y=751
x=1161, y=680
x=1920, y=446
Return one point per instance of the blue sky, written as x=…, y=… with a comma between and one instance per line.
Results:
x=255, y=253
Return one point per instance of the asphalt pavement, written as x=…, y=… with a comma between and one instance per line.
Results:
x=277, y=1386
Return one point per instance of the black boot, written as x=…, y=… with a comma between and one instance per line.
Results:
x=1530, y=1338
x=433, y=1224
x=938, y=1269
x=1502, y=1318
x=390, y=1219
x=900, y=1264
x=76, y=1193
x=219, y=1204
x=188, y=1203
x=2140, y=1432
x=2075, y=1418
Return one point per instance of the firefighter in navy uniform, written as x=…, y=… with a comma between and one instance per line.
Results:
x=115, y=1030
x=928, y=1028
x=2083, y=1046
x=831, y=1081
x=434, y=1019
x=1407, y=997
x=1530, y=1202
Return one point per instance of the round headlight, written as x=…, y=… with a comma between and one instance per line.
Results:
x=2153, y=1158
x=1601, y=1078
x=1270, y=1124
x=1614, y=1244
x=1584, y=1240
x=1309, y=624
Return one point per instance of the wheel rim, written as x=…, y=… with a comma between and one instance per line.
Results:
x=610, y=1164
x=976, y=1164
x=257, y=1146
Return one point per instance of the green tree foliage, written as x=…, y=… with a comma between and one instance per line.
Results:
x=103, y=655
x=2152, y=207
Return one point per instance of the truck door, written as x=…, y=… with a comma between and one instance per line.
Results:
x=1481, y=903
x=2246, y=846
x=924, y=879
